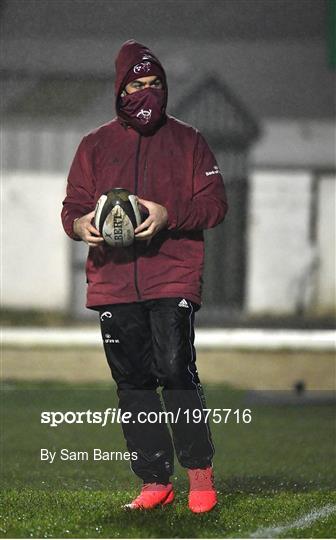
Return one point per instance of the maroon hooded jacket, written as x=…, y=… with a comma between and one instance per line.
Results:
x=173, y=167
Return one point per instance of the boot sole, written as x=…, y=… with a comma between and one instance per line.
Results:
x=168, y=500
x=203, y=511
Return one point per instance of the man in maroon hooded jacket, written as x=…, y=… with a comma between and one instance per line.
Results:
x=147, y=294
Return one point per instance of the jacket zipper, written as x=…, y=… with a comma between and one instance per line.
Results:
x=145, y=178
x=136, y=178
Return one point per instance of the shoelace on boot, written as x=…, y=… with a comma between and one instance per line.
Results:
x=152, y=487
x=201, y=479
x=145, y=490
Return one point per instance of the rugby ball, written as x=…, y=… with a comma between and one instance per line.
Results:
x=116, y=216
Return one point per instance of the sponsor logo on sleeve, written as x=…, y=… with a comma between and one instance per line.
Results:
x=215, y=170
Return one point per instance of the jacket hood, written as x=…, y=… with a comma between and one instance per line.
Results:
x=130, y=54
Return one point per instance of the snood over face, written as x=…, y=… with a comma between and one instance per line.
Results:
x=144, y=110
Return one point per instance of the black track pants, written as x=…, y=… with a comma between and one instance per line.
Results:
x=150, y=344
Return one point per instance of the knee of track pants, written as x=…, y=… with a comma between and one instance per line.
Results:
x=176, y=374
x=137, y=383
x=127, y=377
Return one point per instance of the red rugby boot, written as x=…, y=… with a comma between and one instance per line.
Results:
x=202, y=494
x=151, y=496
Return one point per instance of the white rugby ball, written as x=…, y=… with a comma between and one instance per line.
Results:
x=116, y=216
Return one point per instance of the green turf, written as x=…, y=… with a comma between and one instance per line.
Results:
x=268, y=473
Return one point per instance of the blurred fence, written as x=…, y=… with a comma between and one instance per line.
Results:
x=37, y=148
x=230, y=133
x=274, y=255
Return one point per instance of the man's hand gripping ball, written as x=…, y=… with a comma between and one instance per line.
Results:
x=155, y=222
x=84, y=229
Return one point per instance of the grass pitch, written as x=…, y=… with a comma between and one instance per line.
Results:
x=275, y=476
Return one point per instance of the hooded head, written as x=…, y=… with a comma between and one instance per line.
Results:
x=144, y=110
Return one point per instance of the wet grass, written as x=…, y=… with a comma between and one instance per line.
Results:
x=269, y=473
x=98, y=514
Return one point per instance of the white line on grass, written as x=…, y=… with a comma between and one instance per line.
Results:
x=238, y=338
x=301, y=523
